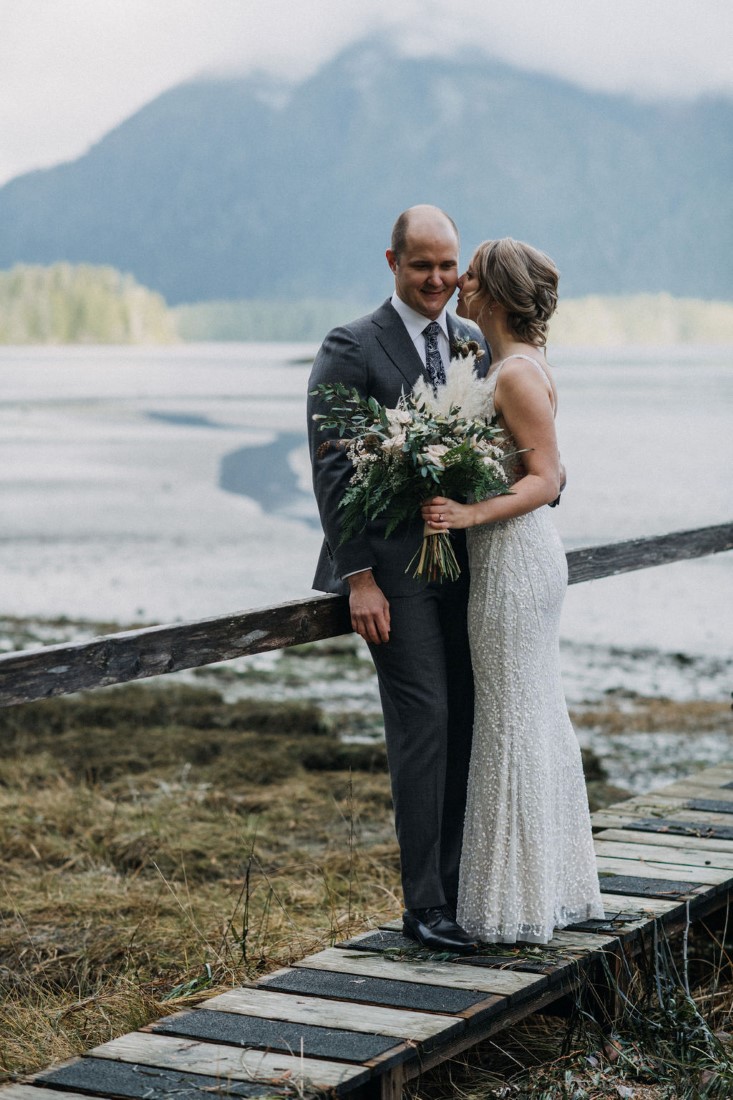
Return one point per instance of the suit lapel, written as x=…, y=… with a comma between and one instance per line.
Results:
x=396, y=343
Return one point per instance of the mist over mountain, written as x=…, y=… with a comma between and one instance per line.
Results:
x=239, y=188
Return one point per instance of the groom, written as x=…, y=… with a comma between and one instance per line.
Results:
x=416, y=631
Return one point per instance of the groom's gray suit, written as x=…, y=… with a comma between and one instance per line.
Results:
x=424, y=670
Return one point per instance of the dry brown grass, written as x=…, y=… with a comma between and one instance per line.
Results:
x=640, y=714
x=148, y=835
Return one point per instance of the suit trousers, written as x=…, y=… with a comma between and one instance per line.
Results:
x=426, y=688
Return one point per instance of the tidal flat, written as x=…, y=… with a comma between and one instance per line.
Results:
x=165, y=840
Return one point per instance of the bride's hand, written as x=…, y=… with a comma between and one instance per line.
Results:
x=441, y=513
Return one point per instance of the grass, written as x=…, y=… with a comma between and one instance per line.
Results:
x=158, y=844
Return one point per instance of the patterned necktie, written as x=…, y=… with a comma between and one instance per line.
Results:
x=434, y=368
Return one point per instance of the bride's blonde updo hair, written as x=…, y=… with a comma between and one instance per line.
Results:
x=521, y=279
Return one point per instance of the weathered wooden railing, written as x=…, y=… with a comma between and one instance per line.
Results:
x=154, y=651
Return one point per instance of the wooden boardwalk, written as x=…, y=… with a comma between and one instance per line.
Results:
x=361, y=1019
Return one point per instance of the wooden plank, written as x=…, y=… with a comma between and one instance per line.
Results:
x=415, y=1026
x=314, y=1041
x=711, y=805
x=683, y=821
x=641, y=886
x=666, y=799
x=614, y=924
x=154, y=651
x=380, y=991
x=625, y=929
x=453, y=975
x=646, y=906
x=688, y=788
x=134, y=1082
x=630, y=813
x=704, y=787
x=663, y=803
x=719, y=852
x=671, y=912
x=676, y=856
x=668, y=912
x=565, y=940
x=381, y=941
x=686, y=875
x=226, y=1061
x=682, y=825
x=30, y=1092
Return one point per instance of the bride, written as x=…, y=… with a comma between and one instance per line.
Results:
x=527, y=865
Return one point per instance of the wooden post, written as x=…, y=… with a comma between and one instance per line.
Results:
x=391, y=1084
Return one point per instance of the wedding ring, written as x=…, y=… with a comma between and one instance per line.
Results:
x=440, y=516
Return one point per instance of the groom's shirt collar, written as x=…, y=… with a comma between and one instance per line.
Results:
x=414, y=322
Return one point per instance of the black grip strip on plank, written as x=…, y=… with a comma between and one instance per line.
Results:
x=254, y=1031
x=711, y=805
x=107, y=1077
x=700, y=829
x=378, y=991
x=646, y=887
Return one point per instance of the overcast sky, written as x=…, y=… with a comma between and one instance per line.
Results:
x=70, y=70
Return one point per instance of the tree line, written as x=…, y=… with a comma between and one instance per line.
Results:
x=80, y=304
x=86, y=304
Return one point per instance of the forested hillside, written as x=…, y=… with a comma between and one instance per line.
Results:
x=62, y=304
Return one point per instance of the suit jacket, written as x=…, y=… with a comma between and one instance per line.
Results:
x=376, y=355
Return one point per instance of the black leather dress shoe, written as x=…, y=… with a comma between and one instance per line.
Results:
x=434, y=929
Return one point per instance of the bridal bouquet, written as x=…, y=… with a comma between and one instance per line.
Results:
x=430, y=444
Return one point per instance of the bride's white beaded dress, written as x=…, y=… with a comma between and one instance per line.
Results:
x=528, y=865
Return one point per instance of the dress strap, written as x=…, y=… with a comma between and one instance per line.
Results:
x=540, y=368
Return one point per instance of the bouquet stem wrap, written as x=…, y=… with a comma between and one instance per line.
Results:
x=436, y=558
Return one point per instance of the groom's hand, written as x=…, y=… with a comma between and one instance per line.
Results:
x=369, y=608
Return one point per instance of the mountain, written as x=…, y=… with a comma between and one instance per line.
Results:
x=241, y=188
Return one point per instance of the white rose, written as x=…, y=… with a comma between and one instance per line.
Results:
x=398, y=416
x=435, y=453
x=394, y=443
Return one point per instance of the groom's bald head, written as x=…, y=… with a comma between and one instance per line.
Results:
x=420, y=219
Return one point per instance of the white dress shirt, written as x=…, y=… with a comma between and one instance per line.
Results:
x=415, y=323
